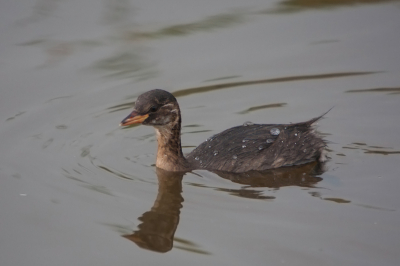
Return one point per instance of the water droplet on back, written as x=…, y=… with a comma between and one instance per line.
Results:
x=261, y=147
x=197, y=158
x=243, y=146
x=275, y=131
x=234, y=157
x=247, y=123
x=270, y=140
x=215, y=153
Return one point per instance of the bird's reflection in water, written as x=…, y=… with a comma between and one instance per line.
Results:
x=156, y=232
x=305, y=175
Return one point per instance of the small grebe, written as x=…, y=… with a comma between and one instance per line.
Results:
x=238, y=149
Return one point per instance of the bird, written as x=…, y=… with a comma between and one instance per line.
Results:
x=247, y=147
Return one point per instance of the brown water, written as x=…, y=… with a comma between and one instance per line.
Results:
x=78, y=190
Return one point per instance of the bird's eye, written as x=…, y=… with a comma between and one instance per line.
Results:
x=153, y=109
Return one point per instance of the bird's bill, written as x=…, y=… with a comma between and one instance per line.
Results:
x=133, y=118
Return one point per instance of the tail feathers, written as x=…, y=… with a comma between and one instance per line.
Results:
x=312, y=121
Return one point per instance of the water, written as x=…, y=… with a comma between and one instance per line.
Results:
x=275, y=131
x=79, y=190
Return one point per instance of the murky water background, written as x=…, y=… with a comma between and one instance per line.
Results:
x=78, y=190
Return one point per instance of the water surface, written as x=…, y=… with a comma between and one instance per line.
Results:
x=78, y=190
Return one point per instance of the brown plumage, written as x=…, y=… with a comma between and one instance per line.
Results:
x=238, y=149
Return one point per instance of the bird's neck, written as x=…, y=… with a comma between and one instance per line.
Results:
x=169, y=152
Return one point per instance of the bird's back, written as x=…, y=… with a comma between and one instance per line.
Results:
x=259, y=147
